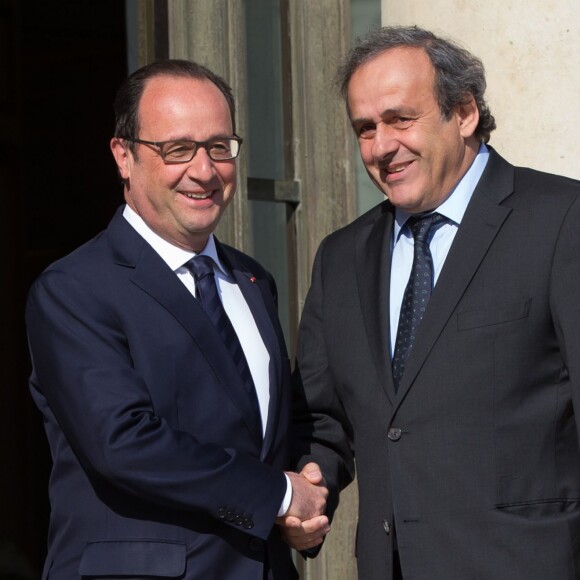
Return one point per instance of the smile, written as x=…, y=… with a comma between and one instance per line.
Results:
x=398, y=168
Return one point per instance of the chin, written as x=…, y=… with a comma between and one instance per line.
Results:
x=403, y=202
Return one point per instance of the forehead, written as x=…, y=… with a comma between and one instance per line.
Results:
x=183, y=101
x=397, y=72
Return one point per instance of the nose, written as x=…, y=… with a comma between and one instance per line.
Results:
x=201, y=167
x=385, y=143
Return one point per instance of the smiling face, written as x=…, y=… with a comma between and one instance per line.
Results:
x=411, y=153
x=182, y=203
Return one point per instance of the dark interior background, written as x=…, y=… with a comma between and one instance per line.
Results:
x=60, y=65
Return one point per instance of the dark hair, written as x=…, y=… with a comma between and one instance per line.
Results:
x=126, y=105
x=459, y=75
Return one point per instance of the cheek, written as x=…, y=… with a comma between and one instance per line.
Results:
x=167, y=180
x=157, y=189
x=366, y=153
x=227, y=176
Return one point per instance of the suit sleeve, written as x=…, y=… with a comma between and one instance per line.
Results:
x=86, y=384
x=322, y=431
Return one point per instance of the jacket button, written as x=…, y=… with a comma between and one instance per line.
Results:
x=230, y=516
x=248, y=524
x=222, y=513
x=386, y=527
x=395, y=433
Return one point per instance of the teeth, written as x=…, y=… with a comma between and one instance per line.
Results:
x=198, y=195
x=398, y=168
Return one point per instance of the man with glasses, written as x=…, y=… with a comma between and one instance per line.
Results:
x=159, y=364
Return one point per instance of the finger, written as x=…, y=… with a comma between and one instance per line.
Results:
x=311, y=471
x=302, y=542
x=306, y=545
x=316, y=525
x=310, y=529
x=289, y=522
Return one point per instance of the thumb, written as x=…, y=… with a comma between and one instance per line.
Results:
x=312, y=472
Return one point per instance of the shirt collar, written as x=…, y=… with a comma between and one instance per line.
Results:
x=173, y=256
x=453, y=208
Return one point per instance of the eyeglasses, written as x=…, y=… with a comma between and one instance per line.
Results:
x=183, y=150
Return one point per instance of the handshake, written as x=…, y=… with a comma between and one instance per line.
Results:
x=304, y=525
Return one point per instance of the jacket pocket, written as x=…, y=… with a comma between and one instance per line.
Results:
x=133, y=558
x=540, y=509
x=499, y=314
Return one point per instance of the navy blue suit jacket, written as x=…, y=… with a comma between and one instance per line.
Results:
x=160, y=468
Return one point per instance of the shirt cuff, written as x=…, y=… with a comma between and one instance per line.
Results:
x=287, y=498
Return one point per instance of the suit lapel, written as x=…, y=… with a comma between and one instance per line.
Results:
x=373, y=267
x=154, y=277
x=481, y=223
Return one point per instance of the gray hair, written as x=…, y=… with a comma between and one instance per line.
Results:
x=459, y=75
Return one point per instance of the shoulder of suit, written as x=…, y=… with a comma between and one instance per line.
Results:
x=109, y=246
x=528, y=179
x=384, y=210
x=534, y=180
x=81, y=258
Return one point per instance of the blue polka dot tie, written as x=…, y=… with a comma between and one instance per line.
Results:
x=417, y=292
x=201, y=268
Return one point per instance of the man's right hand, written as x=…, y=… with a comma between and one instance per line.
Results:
x=304, y=526
x=309, y=493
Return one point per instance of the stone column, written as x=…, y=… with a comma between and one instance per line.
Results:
x=323, y=155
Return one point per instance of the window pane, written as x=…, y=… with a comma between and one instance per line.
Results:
x=266, y=142
x=265, y=111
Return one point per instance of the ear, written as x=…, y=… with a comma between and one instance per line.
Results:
x=467, y=118
x=121, y=155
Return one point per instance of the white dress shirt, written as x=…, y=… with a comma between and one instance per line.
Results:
x=453, y=208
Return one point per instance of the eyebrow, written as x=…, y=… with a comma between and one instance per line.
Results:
x=387, y=113
x=212, y=138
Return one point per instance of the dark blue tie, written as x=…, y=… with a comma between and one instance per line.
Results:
x=417, y=292
x=201, y=268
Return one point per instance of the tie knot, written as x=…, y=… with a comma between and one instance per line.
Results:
x=421, y=226
x=200, y=266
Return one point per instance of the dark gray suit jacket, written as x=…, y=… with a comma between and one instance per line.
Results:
x=160, y=469
x=476, y=459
